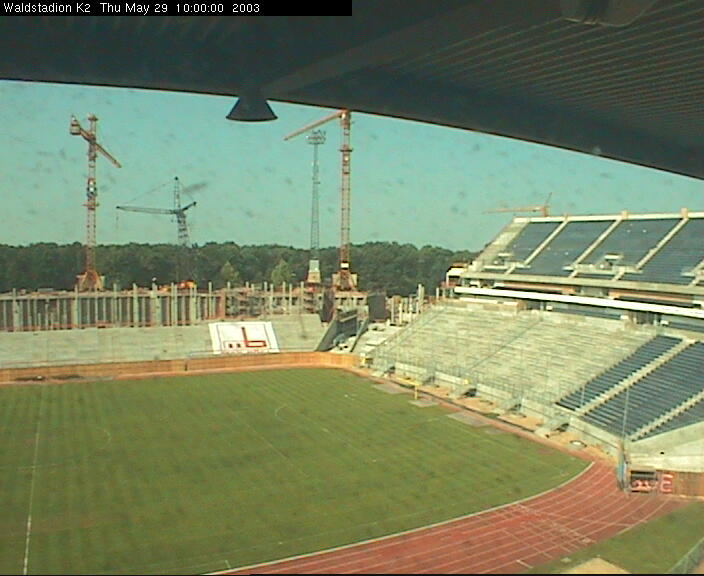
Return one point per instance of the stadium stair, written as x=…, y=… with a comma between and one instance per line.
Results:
x=505, y=238
x=665, y=239
x=546, y=242
x=651, y=426
x=658, y=393
x=633, y=377
x=593, y=245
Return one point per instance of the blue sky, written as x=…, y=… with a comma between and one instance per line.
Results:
x=411, y=182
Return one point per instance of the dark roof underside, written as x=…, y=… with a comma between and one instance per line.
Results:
x=630, y=92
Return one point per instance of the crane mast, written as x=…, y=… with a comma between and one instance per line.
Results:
x=90, y=279
x=178, y=211
x=184, y=262
x=343, y=280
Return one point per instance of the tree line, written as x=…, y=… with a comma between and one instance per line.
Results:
x=381, y=266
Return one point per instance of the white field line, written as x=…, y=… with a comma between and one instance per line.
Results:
x=31, y=485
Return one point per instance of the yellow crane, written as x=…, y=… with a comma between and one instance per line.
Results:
x=90, y=279
x=543, y=208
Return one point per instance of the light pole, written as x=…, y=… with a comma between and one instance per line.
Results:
x=625, y=417
x=623, y=461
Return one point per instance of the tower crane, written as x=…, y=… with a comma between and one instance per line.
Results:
x=90, y=279
x=178, y=211
x=344, y=280
x=543, y=208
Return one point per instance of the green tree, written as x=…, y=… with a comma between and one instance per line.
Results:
x=394, y=268
x=281, y=273
x=228, y=274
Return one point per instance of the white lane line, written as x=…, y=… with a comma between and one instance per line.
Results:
x=31, y=485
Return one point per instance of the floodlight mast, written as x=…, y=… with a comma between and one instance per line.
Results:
x=315, y=139
x=344, y=280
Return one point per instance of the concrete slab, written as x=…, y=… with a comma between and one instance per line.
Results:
x=297, y=332
x=90, y=345
x=596, y=566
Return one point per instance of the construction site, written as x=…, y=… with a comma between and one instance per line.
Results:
x=95, y=303
x=172, y=407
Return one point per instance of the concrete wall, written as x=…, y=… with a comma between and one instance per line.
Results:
x=294, y=332
x=142, y=307
x=222, y=362
x=681, y=449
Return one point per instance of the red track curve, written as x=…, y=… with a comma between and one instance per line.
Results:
x=506, y=540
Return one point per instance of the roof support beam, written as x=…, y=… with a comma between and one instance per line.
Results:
x=453, y=26
x=509, y=116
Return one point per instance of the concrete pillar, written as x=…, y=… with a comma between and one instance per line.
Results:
x=193, y=302
x=89, y=310
x=135, y=306
x=114, y=306
x=173, y=319
x=144, y=318
x=122, y=303
x=209, y=309
x=154, y=307
x=31, y=313
x=16, y=324
x=76, y=310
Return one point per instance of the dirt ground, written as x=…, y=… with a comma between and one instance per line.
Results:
x=596, y=566
x=599, y=566
x=564, y=440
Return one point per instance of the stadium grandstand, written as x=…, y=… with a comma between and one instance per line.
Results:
x=592, y=325
x=80, y=347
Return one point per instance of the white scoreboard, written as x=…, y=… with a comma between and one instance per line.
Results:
x=243, y=337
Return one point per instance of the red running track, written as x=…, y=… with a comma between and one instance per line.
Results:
x=506, y=540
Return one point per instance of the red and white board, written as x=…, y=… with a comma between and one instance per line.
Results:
x=243, y=337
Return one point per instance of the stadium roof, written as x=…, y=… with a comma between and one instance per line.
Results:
x=619, y=78
x=646, y=257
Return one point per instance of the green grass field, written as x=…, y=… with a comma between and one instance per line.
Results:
x=195, y=474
